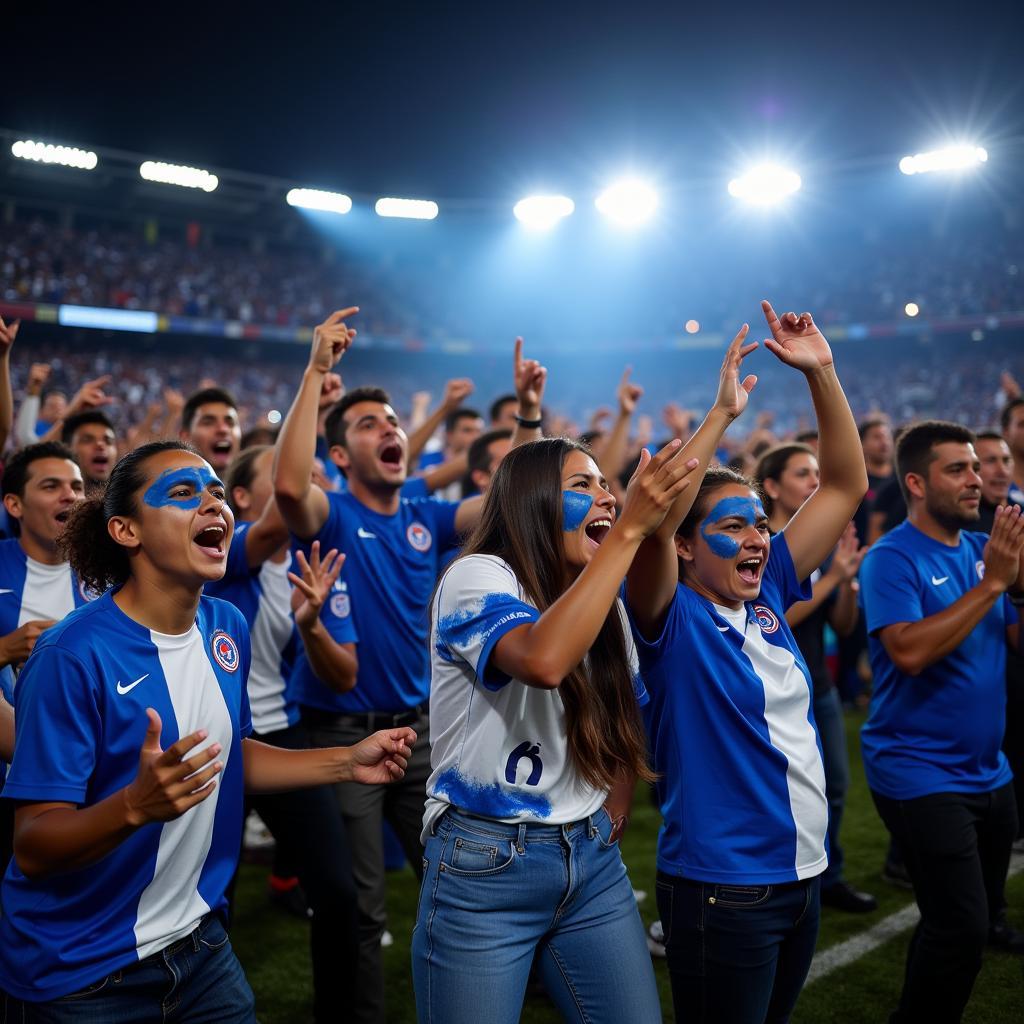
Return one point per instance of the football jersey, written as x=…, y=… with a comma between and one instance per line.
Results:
x=32, y=590
x=81, y=720
x=732, y=735
x=391, y=567
x=498, y=746
x=263, y=596
x=939, y=731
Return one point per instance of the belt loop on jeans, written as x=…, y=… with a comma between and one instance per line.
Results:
x=591, y=827
x=521, y=839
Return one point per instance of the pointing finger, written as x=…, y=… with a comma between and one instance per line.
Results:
x=340, y=314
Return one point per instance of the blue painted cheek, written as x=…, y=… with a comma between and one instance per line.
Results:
x=575, y=507
x=721, y=545
x=749, y=510
x=158, y=494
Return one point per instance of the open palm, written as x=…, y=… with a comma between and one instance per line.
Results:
x=796, y=340
x=732, y=393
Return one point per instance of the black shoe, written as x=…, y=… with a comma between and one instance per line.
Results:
x=896, y=874
x=1006, y=937
x=843, y=896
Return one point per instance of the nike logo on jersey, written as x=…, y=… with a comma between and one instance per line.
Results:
x=365, y=534
x=131, y=686
x=4, y=590
x=723, y=629
x=937, y=580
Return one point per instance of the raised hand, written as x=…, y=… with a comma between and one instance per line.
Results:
x=456, y=391
x=312, y=587
x=847, y=556
x=628, y=393
x=38, y=375
x=8, y=332
x=733, y=394
x=90, y=396
x=653, y=489
x=528, y=378
x=796, y=340
x=1009, y=384
x=331, y=340
x=331, y=390
x=678, y=420
x=168, y=784
x=1002, y=554
x=382, y=756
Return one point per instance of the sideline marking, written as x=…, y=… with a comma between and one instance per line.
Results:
x=846, y=952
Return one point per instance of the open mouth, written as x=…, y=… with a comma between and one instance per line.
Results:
x=750, y=570
x=597, y=530
x=221, y=448
x=391, y=454
x=62, y=517
x=211, y=540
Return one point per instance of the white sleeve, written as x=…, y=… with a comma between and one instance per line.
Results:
x=25, y=421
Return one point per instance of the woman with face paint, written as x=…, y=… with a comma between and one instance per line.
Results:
x=741, y=783
x=131, y=756
x=535, y=722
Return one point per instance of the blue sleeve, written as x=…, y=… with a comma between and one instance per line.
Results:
x=890, y=590
x=244, y=711
x=58, y=729
x=780, y=582
x=415, y=487
x=674, y=629
x=336, y=615
x=444, y=519
x=238, y=567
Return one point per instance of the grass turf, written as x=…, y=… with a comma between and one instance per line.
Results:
x=274, y=947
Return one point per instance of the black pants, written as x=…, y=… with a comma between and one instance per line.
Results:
x=310, y=834
x=956, y=847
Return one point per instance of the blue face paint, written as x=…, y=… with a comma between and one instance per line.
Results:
x=575, y=506
x=198, y=478
x=749, y=510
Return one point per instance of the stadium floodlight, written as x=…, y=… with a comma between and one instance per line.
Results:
x=543, y=212
x=317, y=199
x=628, y=202
x=274, y=417
x=692, y=326
x=911, y=309
x=174, y=174
x=765, y=185
x=952, y=158
x=44, y=153
x=411, y=209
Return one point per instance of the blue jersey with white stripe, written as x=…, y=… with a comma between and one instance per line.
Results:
x=391, y=566
x=263, y=596
x=941, y=730
x=81, y=721
x=32, y=590
x=730, y=719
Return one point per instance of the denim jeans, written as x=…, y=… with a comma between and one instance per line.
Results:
x=494, y=894
x=196, y=980
x=828, y=714
x=737, y=954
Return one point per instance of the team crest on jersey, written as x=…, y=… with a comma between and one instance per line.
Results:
x=87, y=593
x=766, y=618
x=341, y=606
x=419, y=537
x=225, y=651
x=979, y=568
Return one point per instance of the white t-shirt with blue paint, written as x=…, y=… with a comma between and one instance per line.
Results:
x=499, y=746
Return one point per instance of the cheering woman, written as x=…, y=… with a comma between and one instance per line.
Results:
x=741, y=783
x=130, y=761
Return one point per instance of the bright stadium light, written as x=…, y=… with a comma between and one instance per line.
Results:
x=952, y=158
x=692, y=326
x=628, y=202
x=174, y=174
x=911, y=309
x=765, y=185
x=317, y=199
x=543, y=212
x=44, y=153
x=412, y=209
x=274, y=417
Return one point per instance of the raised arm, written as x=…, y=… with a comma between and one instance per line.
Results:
x=652, y=578
x=815, y=529
x=28, y=411
x=615, y=451
x=456, y=391
x=302, y=503
x=8, y=332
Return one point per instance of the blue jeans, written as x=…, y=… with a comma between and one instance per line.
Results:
x=828, y=714
x=196, y=980
x=737, y=954
x=494, y=894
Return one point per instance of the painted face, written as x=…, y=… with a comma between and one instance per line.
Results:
x=588, y=509
x=725, y=558
x=184, y=525
x=996, y=469
x=797, y=482
x=95, y=451
x=375, y=449
x=952, y=491
x=215, y=431
x=52, y=487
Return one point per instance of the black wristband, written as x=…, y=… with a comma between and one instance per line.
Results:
x=529, y=424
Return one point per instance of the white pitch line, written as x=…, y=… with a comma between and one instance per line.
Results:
x=843, y=953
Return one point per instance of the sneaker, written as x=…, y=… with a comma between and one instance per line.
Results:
x=843, y=896
x=656, y=940
x=896, y=874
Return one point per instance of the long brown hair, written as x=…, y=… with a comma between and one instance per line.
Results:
x=521, y=523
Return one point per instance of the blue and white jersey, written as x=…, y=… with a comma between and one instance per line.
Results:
x=498, y=746
x=263, y=596
x=336, y=618
x=31, y=590
x=81, y=721
x=742, y=787
x=391, y=567
x=940, y=731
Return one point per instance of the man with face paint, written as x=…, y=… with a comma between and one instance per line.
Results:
x=393, y=547
x=940, y=605
x=730, y=719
